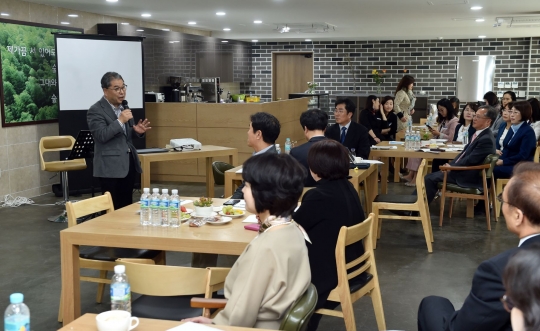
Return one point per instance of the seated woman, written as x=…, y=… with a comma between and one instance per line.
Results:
x=465, y=121
x=522, y=143
x=273, y=271
x=502, y=136
x=374, y=119
x=333, y=203
x=521, y=281
x=387, y=105
x=490, y=98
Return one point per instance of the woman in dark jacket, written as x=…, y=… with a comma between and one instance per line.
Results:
x=374, y=119
x=387, y=105
x=465, y=121
x=333, y=203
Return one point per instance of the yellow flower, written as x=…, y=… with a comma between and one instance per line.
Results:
x=374, y=71
x=355, y=168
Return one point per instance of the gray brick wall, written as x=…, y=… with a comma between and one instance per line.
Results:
x=534, y=75
x=431, y=62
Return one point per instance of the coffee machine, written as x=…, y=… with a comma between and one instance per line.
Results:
x=211, y=92
x=172, y=92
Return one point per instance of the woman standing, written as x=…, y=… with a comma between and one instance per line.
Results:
x=404, y=101
x=374, y=119
x=387, y=105
x=465, y=121
x=501, y=140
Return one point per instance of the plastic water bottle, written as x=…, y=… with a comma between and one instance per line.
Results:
x=174, y=209
x=17, y=315
x=288, y=146
x=417, y=143
x=164, y=207
x=466, y=137
x=278, y=149
x=120, y=290
x=407, y=140
x=154, y=207
x=145, y=207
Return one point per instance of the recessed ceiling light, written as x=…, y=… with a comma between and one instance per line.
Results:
x=254, y=40
x=481, y=37
x=4, y=14
x=220, y=13
x=140, y=30
x=65, y=23
x=124, y=23
x=308, y=39
x=112, y=0
x=226, y=29
x=224, y=41
x=476, y=8
x=171, y=42
x=146, y=15
x=166, y=29
x=257, y=22
x=192, y=23
x=480, y=20
x=73, y=15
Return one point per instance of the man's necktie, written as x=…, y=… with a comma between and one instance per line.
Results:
x=342, y=138
x=463, y=154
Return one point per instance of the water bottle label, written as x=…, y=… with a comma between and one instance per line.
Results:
x=145, y=203
x=174, y=204
x=164, y=204
x=17, y=323
x=154, y=203
x=120, y=292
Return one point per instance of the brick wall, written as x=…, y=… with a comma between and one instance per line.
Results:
x=431, y=62
x=534, y=75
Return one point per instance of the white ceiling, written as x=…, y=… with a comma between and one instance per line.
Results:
x=354, y=19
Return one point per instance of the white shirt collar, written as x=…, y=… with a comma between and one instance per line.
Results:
x=522, y=240
x=479, y=131
x=120, y=107
x=263, y=150
x=346, y=126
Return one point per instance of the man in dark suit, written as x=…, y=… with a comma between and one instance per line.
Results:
x=350, y=134
x=263, y=131
x=481, y=145
x=482, y=309
x=314, y=122
x=116, y=162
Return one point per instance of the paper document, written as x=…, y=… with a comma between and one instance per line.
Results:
x=396, y=142
x=369, y=162
x=190, y=326
x=239, y=171
x=185, y=202
x=251, y=219
x=383, y=147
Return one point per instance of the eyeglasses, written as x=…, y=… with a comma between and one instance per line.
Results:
x=118, y=89
x=500, y=199
x=507, y=303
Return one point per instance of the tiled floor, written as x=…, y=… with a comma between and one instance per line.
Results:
x=30, y=262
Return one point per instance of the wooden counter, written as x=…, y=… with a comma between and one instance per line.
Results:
x=214, y=124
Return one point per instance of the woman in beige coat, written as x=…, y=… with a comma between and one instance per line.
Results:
x=404, y=101
x=273, y=271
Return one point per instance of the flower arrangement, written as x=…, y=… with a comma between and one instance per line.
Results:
x=311, y=87
x=203, y=202
x=378, y=77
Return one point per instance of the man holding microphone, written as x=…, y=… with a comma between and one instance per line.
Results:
x=116, y=162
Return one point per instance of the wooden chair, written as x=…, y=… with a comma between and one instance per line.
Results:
x=456, y=191
x=411, y=203
x=501, y=183
x=295, y=319
x=167, y=290
x=101, y=258
x=347, y=292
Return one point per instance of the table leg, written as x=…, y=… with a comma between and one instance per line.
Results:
x=71, y=289
x=384, y=174
x=209, y=178
x=228, y=190
x=145, y=176
x=397, y=165
x=233, y=159
x=372, y=188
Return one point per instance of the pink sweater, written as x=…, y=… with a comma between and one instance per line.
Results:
x=448, y=130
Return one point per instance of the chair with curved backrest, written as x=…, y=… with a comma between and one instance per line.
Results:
x=102, y=258
x=166, y=291
x=219, y=168
x=57, y=144
x=455, y=191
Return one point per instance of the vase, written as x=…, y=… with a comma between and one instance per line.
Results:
x=379, y=89
x=204, y=211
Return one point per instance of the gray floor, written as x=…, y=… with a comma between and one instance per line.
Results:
x=30, y=262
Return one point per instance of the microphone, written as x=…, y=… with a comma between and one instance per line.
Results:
x=131, y=122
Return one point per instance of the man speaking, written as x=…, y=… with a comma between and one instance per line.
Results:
x=116, y=162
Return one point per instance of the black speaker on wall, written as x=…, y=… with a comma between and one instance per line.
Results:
x=108, y=29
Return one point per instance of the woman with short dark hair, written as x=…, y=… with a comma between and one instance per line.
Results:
x=521, y=280
x=273, y=271
x=333, y=203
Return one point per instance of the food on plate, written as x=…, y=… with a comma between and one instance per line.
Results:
x=212, y=219
x=184, y=215
x=229, y=210
x=183, y=209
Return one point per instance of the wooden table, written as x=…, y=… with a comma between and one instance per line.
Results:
x=400, y=152
x=121, y=228
x=87, y=322
x=208, y=152
x=368, y=176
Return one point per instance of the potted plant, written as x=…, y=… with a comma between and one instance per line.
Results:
x=203, y=206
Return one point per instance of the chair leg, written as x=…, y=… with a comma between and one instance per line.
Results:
x=441, y=214
x=451, y=208
x=375, y=225
x=348, y=313
x=494, y=199
x=60, y=313
x=426, y=226
x=488, y=218
x=497, y=203
x=378, y=307
x=379, y=227
x=101, y=286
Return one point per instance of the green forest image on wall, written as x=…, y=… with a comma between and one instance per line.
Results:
x=28, y=61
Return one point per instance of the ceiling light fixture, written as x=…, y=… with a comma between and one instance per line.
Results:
x=192, y=23
x=257, y=22
x=254, y=41
x=112, y=0
x=124, y=23
x=4, y=14
x=73, y=15
x=220, y=13
x=166, y=29
x=480, y=20
x=146, y=15
x=284, y=29
x=308, y=39
x=476, y=8
x=224, y=41
x=139, y=30
x=226, y=29
x=65, y=23
x=481, y=37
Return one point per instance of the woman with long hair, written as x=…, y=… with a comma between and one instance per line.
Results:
x=374, y=119
x=387, y=105
x=404, y=101
x=502, y=134
x=491, y=99
x=465, y=121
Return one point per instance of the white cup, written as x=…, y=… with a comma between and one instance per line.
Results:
x=116, y=320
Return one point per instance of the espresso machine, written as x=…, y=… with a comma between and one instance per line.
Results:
x=211, y=92
x=172, y=92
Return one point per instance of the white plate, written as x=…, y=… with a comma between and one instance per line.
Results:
x=194, y=214
x=440, y=140
x=224, y=220
x=233, y=216
x=189, y=210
